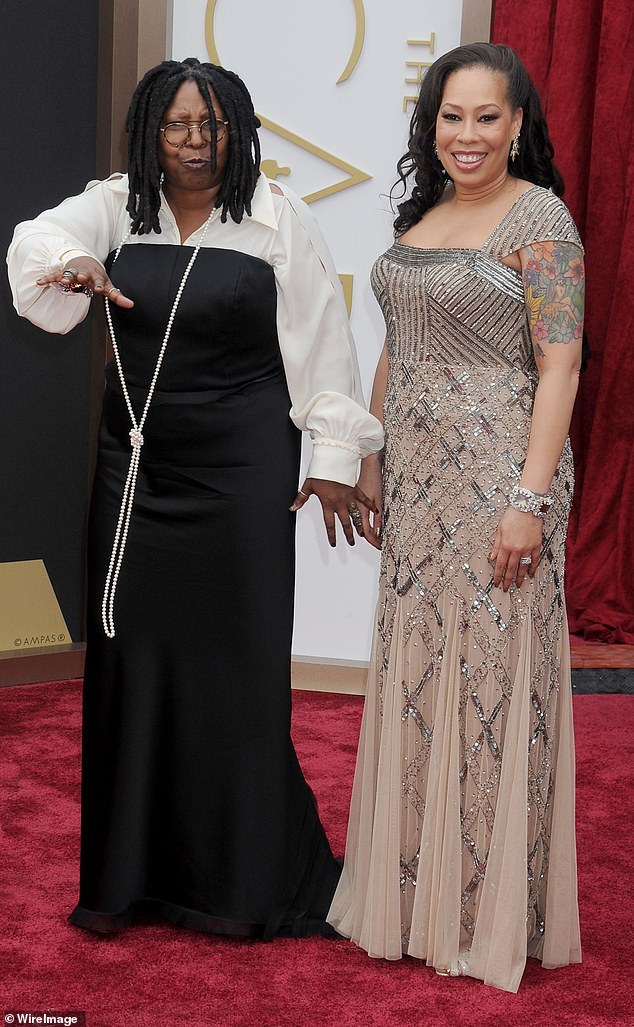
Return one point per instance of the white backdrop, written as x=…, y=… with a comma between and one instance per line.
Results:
x=291, y=54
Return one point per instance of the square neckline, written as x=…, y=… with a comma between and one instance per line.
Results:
x=475, y=249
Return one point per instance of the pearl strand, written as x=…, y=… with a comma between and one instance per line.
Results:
x=136, y=439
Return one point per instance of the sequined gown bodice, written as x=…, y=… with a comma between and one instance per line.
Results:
x=457, y=412
x=437, y=307
x=464, y=719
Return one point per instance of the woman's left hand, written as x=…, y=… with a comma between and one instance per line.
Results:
x=335, y=498
x=519, y=535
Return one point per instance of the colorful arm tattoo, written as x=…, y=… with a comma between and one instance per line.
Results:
x=554, y=280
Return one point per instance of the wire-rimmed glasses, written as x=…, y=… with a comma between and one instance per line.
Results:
x=179, y=133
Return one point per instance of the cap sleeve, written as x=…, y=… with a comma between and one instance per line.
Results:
x=537, y=216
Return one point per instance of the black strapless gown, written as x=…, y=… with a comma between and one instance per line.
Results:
x=194, y=807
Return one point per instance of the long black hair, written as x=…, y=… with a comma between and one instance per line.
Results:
x=534, y=162
x=151, y=98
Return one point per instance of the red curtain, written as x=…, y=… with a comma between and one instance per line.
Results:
x=580, y=55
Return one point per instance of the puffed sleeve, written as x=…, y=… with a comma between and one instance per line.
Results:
x=318, y=350
x=81, y=226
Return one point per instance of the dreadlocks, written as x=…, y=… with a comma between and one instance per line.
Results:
x=151, y=98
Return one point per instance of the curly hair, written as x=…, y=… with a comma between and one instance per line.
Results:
x=534, y=162
x=151, y=98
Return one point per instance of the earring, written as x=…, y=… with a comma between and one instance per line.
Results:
x=515, y=147
x=435, y=149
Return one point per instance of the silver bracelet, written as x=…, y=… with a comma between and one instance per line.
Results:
x=529, y=502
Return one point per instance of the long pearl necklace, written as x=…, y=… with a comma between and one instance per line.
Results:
x=136, y=438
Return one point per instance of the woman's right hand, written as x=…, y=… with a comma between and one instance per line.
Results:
x=371, y=483
x=89, y=275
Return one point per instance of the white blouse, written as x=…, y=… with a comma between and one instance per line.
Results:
x=315, y=342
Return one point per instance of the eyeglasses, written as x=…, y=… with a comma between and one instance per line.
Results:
x=179, y=133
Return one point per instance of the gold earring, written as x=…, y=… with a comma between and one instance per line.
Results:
x=515, y=147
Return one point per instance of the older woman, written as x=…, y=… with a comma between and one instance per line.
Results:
x=224, y=312
x=461, y=847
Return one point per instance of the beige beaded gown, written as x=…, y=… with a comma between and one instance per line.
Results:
x=461, y=841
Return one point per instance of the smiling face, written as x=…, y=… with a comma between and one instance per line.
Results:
x=189, y=166
x=475, y=127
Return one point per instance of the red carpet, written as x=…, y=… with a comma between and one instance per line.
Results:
x=155, y=975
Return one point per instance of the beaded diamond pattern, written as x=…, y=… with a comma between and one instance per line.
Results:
x=457, y=418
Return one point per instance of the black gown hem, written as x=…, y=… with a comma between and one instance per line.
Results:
x=194, y=920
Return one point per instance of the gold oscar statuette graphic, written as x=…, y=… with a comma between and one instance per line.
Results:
x=30, y=615
x=355, y=175
x=346, y=285
x=272, y=170
x=270, y=167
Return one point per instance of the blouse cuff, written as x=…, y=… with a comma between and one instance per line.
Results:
x=66, y=256
x=334, y=461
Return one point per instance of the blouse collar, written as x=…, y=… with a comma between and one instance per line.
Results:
x=262, y=206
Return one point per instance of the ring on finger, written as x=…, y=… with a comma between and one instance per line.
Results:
x=112, y=289
x=355, y=515
x=526, y=561
x=78, y=287
x=304, y=494
x=69, y=272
